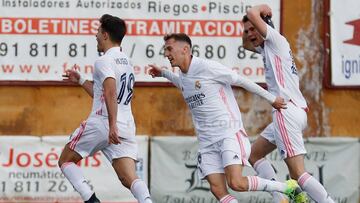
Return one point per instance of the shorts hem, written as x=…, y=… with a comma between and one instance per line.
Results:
x=125, y=156
x=296, y=154
x=202, y=177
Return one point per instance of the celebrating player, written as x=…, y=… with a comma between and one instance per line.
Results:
x=110, y=126
x=224, y=146
x=285, y=132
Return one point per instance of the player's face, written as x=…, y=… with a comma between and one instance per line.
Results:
x=253, y=35
x=100, y=40
x=174, y=51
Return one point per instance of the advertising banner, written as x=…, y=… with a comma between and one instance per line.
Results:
x=29, y=172
x=345, y=42
x=41, y=39
x=333, y=161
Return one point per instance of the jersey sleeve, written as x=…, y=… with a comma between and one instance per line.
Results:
x=222, y=74
x=225, y=75
x=103, y=70
x=276, y=41
x=254, y=88
x=172, y=77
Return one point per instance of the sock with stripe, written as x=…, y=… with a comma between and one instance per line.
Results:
x=314, y=189
x=264, y=170
x=228, y=199
x=140, y=191
x=73, y=173
x=260, y=184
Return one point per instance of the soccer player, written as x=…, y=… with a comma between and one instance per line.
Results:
x=285, y=132
x=223, y=144
x=110, y=126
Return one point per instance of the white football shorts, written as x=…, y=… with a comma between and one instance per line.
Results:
x=286, y=130
x=92, y=136
x=229, y=151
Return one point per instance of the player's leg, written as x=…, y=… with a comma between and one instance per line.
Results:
x=218, y=188
x=123, y=158
x=234, y=154
x=240, y=183
x=259, y=149
x=126, y=172
x=67, y=163
x=77, y=148
x=289, y=124
x=211, y=168
x=306, y=181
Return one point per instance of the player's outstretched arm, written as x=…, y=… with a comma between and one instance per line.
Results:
x=156, y=71
x=88, y=86
x=255, y=14
x=74, y=76
x=276, y=102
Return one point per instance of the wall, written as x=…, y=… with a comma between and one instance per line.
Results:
x=58, y=110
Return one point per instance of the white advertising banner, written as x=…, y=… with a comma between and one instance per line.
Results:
x=333, y=161
x=345, y=42
x=40, y=39
x=29, y=172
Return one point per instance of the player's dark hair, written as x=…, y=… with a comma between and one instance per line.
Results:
x=178, y=37
x=267, y=20
x=114, y=26
x=245, y=19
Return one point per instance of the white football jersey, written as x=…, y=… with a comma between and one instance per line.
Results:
x=206, y=88
x=280, y=70
x=114, y=64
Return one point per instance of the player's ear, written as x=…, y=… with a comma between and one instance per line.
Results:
x=106, y=35
x=186, y=48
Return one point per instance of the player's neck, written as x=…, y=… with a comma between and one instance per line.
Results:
x=110, y=45
x=186, y=65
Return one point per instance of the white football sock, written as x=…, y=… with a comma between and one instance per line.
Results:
x=314, y=189
x=73, y=173
x=264, y=170
x=228, y=199
x=260, y=184
x=140, y=191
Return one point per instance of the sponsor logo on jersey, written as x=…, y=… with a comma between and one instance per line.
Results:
x=195, y=100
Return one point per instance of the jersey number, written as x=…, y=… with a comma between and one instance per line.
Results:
x=129, y=86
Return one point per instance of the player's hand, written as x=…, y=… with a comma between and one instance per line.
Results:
x=72, y=74
x=154, y=70
x=265, y=10
x=114, y=135
x=279, y=103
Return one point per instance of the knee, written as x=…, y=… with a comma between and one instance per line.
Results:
x=239, y=185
